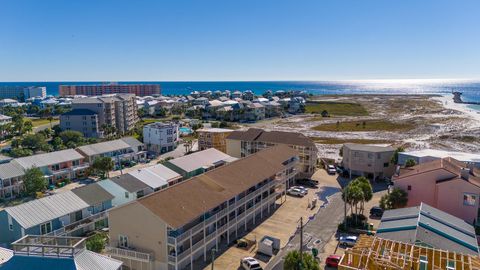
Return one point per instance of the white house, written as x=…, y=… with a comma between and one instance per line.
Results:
x=161, y=137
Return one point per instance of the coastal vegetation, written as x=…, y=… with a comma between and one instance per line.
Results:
x=397, y=198
x=335, y=108
x=293, y=261
x=326, y=140
x=365, y=125
x=34, y=181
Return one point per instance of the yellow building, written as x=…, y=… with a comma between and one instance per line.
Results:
x=374, y=253
x=213, y=138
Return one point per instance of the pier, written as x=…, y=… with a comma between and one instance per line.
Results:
x=457, y=98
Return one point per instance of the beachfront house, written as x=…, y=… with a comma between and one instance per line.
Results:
x=199, y=162
x=213, y=138
x=181, y=225
x=72, y=212
x=161, y=137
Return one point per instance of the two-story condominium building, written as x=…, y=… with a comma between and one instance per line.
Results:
x=161, y=137
x=199, y=162
x=11, y=180
x=183, y=223
x=157, y=177
x=242, y=143
x=57, y=166
x=124, y=149
x=446, y=184
x=213, y=138
x=370, y=161
x=68, y=213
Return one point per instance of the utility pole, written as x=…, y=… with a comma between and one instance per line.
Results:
x=213, y=256
x=301, y=239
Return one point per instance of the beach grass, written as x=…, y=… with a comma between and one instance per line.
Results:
x=335, y=108
x=327, y=140
x=366, y=125
x=41, y=121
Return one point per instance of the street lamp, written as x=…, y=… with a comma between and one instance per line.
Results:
x=213, y=256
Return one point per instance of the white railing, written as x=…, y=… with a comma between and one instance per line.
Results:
x=172, y=259
x=79, y=224
x=129, y=254
x=197, y=245
x=171, y=240
x=184, y=236
x=184, y=254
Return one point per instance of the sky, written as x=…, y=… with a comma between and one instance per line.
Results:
x=237, y=40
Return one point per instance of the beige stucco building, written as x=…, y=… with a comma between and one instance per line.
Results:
x=213, y=138
x=183, y=223
x=247, y=142
x=370, y=161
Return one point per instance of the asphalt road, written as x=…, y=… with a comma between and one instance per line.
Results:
x=317, y=232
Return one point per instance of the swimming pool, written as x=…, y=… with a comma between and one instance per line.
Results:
x=185, y=130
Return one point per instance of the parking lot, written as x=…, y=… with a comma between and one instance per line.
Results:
x=282, y=224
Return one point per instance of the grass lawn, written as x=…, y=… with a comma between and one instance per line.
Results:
x=336, y=108
x=370, y=125
x=325, y=140
x=41, y=121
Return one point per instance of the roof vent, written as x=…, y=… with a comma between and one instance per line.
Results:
x=465, y=173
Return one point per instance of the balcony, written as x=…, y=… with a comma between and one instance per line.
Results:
x=197, y=245
x=184, y=254
x=79, y=224
x=130, y=254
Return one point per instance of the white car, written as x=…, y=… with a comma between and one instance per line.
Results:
x=296, y=192
x=331, y=169
x=303, y=189
x=249, y=263
x=348, y=241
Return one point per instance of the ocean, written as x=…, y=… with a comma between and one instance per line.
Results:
x=470, y=89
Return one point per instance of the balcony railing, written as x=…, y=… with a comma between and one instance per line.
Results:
x=184, y=254
x=130, y=254
x=79, y=224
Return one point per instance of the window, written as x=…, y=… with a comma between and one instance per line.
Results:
x=385, y=165
x=379, y=156
x=126, y=195
x=409, y=187
x=423, y=263
x=10, y=223
x=46, y=228
x=450, y=265
x=469, y=199
x=123, y=241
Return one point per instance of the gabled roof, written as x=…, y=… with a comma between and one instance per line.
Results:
x=46, y=159
x=430, y=226
x=280, y=137
x=45, y=209
x=155, y=176
x=205, y=158
x=93, y=194
x=109, y=146
x=182, y=203
x=129, y=182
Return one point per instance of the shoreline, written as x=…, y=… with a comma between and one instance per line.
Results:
x=448, y=103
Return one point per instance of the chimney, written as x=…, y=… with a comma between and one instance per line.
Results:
x=464, y=173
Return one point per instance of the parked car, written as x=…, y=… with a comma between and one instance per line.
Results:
x=376, y=211
x=348, y=241
x=295, y=192
x=249, y=263
x=333, y=260
x=303, y=189
x=331, y=169
x=308, y=183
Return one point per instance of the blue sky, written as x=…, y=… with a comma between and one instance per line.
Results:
x=90, y=40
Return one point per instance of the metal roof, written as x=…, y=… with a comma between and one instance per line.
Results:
x=5, y=255
x=428, y=225
x=88, y=260
x=46, y=159
x=129, y=183
x=45, y=209
x=205, y=158
x=10, y=170
x=109, y=146
x=155, y=176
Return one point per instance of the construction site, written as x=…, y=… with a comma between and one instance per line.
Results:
x=374, y=253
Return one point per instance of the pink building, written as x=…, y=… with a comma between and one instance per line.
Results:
x=446, y=184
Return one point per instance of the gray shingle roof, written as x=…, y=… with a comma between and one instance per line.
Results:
x=46, y=159
x=93, y=194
